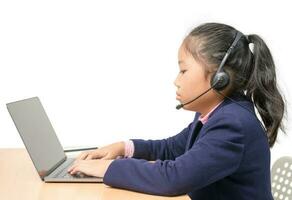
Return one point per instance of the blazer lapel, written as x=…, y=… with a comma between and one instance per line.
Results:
x=192, y=137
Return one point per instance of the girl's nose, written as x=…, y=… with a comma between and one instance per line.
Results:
x=175, y=82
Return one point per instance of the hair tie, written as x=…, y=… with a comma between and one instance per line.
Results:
x=250, y=44
x=251, y=47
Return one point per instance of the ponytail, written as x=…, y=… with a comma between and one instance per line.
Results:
x=263, y=90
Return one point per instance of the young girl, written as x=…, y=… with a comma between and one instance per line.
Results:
x=224, y=153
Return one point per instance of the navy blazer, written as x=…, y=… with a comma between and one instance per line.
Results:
x=229, y=159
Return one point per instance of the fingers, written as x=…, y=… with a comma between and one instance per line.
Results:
x=89, y=157
x=84, y=167
x=75, y=168
x=83, y=156
x=69, y=170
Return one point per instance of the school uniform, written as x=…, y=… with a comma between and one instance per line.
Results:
x=227, y=157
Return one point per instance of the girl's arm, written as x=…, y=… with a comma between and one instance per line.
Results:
x=165, y=149
x=216, y=155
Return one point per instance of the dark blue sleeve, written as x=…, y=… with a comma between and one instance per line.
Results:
x=165, y=149
x=216, y=154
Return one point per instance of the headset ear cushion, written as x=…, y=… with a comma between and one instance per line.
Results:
x=220, y=81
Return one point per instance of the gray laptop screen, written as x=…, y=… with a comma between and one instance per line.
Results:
x=37, y=134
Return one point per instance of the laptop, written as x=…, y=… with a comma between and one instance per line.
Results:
x=42, y=144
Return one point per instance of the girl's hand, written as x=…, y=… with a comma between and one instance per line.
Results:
x=95, y=168
x=108, y=152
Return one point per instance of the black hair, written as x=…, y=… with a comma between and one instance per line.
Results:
x=252, y=73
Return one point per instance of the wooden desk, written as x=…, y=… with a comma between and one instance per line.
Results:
x=19, y=180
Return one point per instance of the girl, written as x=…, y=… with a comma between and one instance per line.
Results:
x=224, y=153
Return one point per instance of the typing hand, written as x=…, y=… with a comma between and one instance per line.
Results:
x=95, y=168
x=108, y=152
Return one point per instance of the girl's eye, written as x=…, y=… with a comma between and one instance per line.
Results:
x=183, y=71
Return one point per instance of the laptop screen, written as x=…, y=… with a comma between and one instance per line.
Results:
x=37, y=134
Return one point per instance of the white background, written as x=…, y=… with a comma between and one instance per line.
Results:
x=104, y=70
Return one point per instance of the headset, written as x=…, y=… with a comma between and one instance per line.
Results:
x=221, y=79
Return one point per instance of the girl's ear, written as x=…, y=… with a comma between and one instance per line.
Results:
x=210, y=75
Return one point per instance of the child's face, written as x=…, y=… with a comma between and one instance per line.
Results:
x=191, y=82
